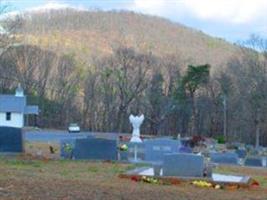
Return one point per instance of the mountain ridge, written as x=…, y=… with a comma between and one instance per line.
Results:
x=90, y=34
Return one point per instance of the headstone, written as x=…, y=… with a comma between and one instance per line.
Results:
x=11, y=140
x=155, y=149
x=254, y=162
x=140, y=151
x=224, y=158
x=235, y=145
x=249, y=147
x=183, y=164
x=95, y=149
x=157, y=168
x=260, y=150
x=185, y=149
x=123, y=154
x=67, y=146
x=186, y=142
x=242, y=153
x=264, y=161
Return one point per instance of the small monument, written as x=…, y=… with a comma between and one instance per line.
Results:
x=136, y=122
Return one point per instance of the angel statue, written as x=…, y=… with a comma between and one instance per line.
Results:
x=136, y=122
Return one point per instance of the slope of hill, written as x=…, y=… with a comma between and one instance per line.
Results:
x=89, y=34
x=145, y=77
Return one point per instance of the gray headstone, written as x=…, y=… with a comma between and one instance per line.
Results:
x=264, y=160
x=236, y=145
x=185, y=142
x=67, y=146
x=242, y=153
x=254, y=162
x=224, y=158
x=140, y=150
x=183, y=164
x=155, y=149
x=95, y=149
x=249, y=147
x=123, y=156
x=185, y=149
x=11, y=140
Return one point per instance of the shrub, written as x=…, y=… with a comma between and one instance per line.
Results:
x=220, y=140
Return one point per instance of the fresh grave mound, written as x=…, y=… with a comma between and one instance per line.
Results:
x=185, y=167
x=216, y=180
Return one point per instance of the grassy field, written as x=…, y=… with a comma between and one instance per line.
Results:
x=27, y=178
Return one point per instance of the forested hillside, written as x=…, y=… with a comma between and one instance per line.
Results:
x=96, y=34
x=95, y=68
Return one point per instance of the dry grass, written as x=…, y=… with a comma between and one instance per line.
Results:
x=40, y=149
x=25, y=178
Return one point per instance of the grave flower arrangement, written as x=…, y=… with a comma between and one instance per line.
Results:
x=68, y=148
x=150, y=180
x=202, y=184
x=123, y=147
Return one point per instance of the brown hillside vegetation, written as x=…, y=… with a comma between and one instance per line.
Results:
x=96, y=68
x=90, y=34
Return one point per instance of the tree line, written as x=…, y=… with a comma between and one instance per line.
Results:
x=100, y=97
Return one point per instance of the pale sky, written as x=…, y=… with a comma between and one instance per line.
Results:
x=232, y=20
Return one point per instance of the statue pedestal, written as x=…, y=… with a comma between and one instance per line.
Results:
x=135, y=139
x=135, y=152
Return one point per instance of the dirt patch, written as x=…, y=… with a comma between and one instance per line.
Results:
x=40, y=149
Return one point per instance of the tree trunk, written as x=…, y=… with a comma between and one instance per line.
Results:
x=119, y=118
x=257, y=143
x=257, y=122
x=193, y=118
x=225, y=117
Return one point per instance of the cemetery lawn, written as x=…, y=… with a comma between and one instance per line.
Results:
x=27, y=178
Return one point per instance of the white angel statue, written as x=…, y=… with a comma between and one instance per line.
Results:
x=136, y=122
